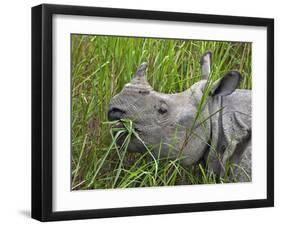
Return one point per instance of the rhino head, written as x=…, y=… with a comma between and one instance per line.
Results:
x=173, y=125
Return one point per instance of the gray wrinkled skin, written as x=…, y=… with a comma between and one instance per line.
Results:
x=221, y=134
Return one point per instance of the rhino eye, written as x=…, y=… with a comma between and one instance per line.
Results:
x=144, y=92
x=163, y=108
x=162, y=111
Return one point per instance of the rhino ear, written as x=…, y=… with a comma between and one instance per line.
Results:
x=206, y=64
x=227, y=84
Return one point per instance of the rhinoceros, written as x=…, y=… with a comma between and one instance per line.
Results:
x=210, y=121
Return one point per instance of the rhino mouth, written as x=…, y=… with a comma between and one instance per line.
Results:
x=120, y=125
x=134, y=144
x=137, y=130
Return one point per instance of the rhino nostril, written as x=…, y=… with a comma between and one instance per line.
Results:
x=115, y=114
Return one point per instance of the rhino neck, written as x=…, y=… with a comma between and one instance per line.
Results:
x=198, y=131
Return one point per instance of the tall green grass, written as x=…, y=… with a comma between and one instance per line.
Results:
x=101, y=66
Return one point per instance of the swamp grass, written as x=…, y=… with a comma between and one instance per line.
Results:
x=100, y=67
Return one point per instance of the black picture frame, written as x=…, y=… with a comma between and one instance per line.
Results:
x=42, y=85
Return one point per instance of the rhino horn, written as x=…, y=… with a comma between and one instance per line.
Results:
x=139, y=79
x=141, y=70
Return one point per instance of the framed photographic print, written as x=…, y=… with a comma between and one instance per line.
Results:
x=146, y=112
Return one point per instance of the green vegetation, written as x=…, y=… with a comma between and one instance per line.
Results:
x=101, y=66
